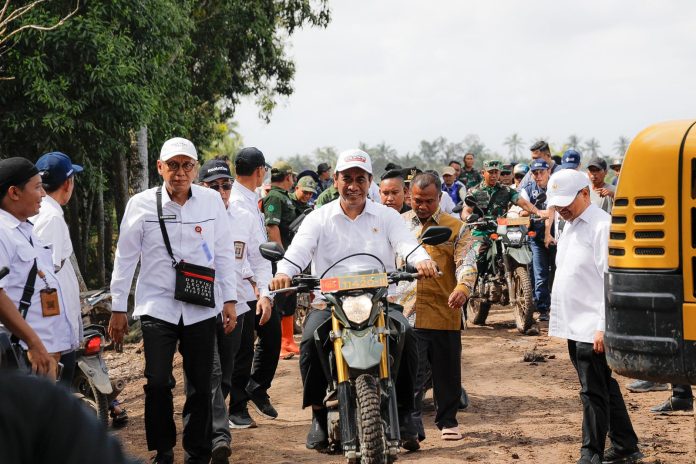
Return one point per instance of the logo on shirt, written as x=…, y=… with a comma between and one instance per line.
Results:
x=270, y=208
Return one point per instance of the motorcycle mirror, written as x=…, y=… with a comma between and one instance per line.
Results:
x=436, y=235
x=458, y=209
x=272, y=251
x=470, y=201
x=541, y=198
x=472, y=218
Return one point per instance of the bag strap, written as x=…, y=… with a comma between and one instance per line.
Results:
x=28, y=292
x=165, y=236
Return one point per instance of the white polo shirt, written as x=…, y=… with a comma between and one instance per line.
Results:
x=327, y=235
x=577, y=297
x=50, y=227
x=249, y=201
x=246, y=251
x=18, y=254
x=202, y=221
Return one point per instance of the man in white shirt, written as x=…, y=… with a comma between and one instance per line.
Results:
x=340, y=228
x=255, y=364
x=57, y=174
x=197, y=225
x=22, y=252
x=577, y=314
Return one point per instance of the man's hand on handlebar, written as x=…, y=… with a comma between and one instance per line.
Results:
x=427, y=269
x=279, y=282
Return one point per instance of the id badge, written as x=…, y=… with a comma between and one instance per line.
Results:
x=49, y=302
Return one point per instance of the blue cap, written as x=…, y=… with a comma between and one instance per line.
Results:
x=538, y=164
x=56, y=167
x=571, y=159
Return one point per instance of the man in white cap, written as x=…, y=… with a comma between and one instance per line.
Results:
x=339, y=229
x=179, y=233
x=577, y=314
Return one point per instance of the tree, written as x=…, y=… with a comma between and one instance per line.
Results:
x=573, y=142
x=226, y=141
x=592, y=147
x=621, y=146
x=514, y=144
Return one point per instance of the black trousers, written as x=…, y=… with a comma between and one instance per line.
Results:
x=255, y=366
x=603, y=409
x=196, y=343
x=314, y=380
x=442, y=349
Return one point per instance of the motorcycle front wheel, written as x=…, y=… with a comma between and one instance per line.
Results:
x=95, y=401
x=524, y=301
x=477, y=309
x=373, y=443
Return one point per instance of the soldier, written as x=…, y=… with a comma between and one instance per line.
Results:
x=470, y=177
x=327, y=196
x=280, y=212
x=494, y=199
x=304, y=190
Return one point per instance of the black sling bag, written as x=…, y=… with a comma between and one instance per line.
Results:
x=194, y=284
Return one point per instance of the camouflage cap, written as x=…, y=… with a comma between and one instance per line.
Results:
x=307, y=184
x=281, y=167
x=492, y=165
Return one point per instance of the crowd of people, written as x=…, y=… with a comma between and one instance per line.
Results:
x=204, y=289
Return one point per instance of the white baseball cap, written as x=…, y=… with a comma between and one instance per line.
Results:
x=354, y=159
x=178, y=146
x=564, y=186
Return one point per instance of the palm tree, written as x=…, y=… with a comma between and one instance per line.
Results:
x=621, y=145
x=573, y=142
x=592, y=147
x=514, y=144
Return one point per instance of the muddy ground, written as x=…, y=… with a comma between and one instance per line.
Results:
x=519, y=412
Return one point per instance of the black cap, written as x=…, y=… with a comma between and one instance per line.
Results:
x=540, y=146
x=213, y=170
x=598, y=163
x=392, y=167
x=323, y=167
x=394, y=173
x=14, y=171
x=250, y=157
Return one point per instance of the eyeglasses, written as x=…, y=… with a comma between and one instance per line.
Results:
x=224, y=186
x=505, y=173
x=173, y=166
x=519, y=176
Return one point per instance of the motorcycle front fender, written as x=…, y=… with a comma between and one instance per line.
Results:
x=522, y=255
x=361, y=350
x=95, y=369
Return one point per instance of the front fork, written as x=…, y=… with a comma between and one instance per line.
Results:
x=508, y=263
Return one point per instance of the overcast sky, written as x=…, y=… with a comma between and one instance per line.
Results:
x=403, y=71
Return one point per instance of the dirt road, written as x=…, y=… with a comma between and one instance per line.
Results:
x=519, y=412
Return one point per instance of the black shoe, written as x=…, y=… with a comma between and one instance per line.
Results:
x=221, y=453
x=241, y=420
x=612, y=456
x=318, y=437
x=262, y=405
x=410, y=443
x=590, y=460
x=163, y=457
x=463, y=400
x=643, y=386
x=674, y=404
x=543, y=317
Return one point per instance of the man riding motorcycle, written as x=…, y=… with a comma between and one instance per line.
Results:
x=351, y=225
x=494, y=199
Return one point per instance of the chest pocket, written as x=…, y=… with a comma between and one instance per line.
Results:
x=26, y=253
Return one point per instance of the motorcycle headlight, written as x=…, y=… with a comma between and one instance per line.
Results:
x=515, y=236
x=357, y=308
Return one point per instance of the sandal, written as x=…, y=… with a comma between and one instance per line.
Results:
x=118, y=420
x=451, y=434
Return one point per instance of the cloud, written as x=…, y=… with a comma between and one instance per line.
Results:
x=403, y=71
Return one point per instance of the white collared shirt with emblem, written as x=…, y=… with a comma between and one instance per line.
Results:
x=199, y=223
x=249, y=200
x=51, y=228
x=327, y=235
x=19, y=247
x=577, y=297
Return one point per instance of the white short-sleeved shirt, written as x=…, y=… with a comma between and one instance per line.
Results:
x=577, y=297
x=18, y=254
x=202, y=222
x=50, y=227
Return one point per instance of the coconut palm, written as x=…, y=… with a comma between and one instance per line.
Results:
x=592, y=147
x=573, y=142
x=621, y=145
x=514, y=144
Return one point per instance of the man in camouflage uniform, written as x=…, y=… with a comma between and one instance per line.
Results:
x=470, y=177
x=304, y=190
x=327, y=196
x=495, y=200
